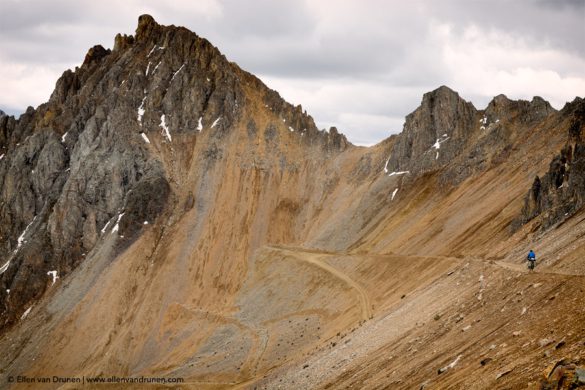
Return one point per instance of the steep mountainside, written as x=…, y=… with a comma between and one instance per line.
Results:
x=167, y=214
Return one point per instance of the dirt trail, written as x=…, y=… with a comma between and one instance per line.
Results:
x=523, y=268
x=315, y=258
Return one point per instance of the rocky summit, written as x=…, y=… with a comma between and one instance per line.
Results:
x=167, y=215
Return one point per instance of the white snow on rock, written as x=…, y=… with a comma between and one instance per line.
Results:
x=386, y=165
x=4, y=267
x=398, y=173
x=165, y=128
x=200, y=124
x=437, y=144
x=145, y=138
x=23, y=316
x=54, y=275
x=21, y=237
x=117, y=226
x=141, y=111
x=394, y=193
x=105, y=226
x=215, y=122
x=1, y=156
x=291, y=129
x=7, y=291
x=174, y=74
x=151, y=51
x=147, y=69
x=450, y=365
x=64, y=137
x=145, y=223
x=156, y=67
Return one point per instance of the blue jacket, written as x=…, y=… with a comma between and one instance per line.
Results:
x=531, y=255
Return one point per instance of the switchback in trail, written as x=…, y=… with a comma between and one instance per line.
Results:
x=318, y=259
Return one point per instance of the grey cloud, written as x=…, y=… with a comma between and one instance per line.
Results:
x=552, y=23
x=385, y=53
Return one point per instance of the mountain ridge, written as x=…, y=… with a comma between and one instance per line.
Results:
x=163, y=185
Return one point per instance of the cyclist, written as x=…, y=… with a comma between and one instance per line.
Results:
x=531, y=259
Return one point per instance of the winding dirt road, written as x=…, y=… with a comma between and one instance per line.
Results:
x=317, y=259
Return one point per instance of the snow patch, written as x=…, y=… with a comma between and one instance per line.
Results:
x=7, y=291
x=64, y=137
x=394, y=193
x=23, y=316
x=215, y=122
x=437, y=144
x=141, y=111
x=54, y=275
x=151, y=51
x=1, y=156
x=117, y=227
x=398, y=173
x=145, y=138
x=4, y=267
x=145, y=223
x=450, y=365
x=165, y=128
x=291, y=129
x=21, y=237
x=200, y=124
x=147, y=69
x=156, y=67
x=174, y=74
x=106, y=226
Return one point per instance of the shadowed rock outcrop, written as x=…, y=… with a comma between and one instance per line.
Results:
x=560, y=192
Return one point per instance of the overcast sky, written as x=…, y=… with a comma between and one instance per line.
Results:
x=359, y=65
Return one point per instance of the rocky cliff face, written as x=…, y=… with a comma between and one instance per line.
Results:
x=449, y=134
x=106, y=153
x=434, y=133
x=560, y=192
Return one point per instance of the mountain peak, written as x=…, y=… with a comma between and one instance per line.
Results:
x=147, y=26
